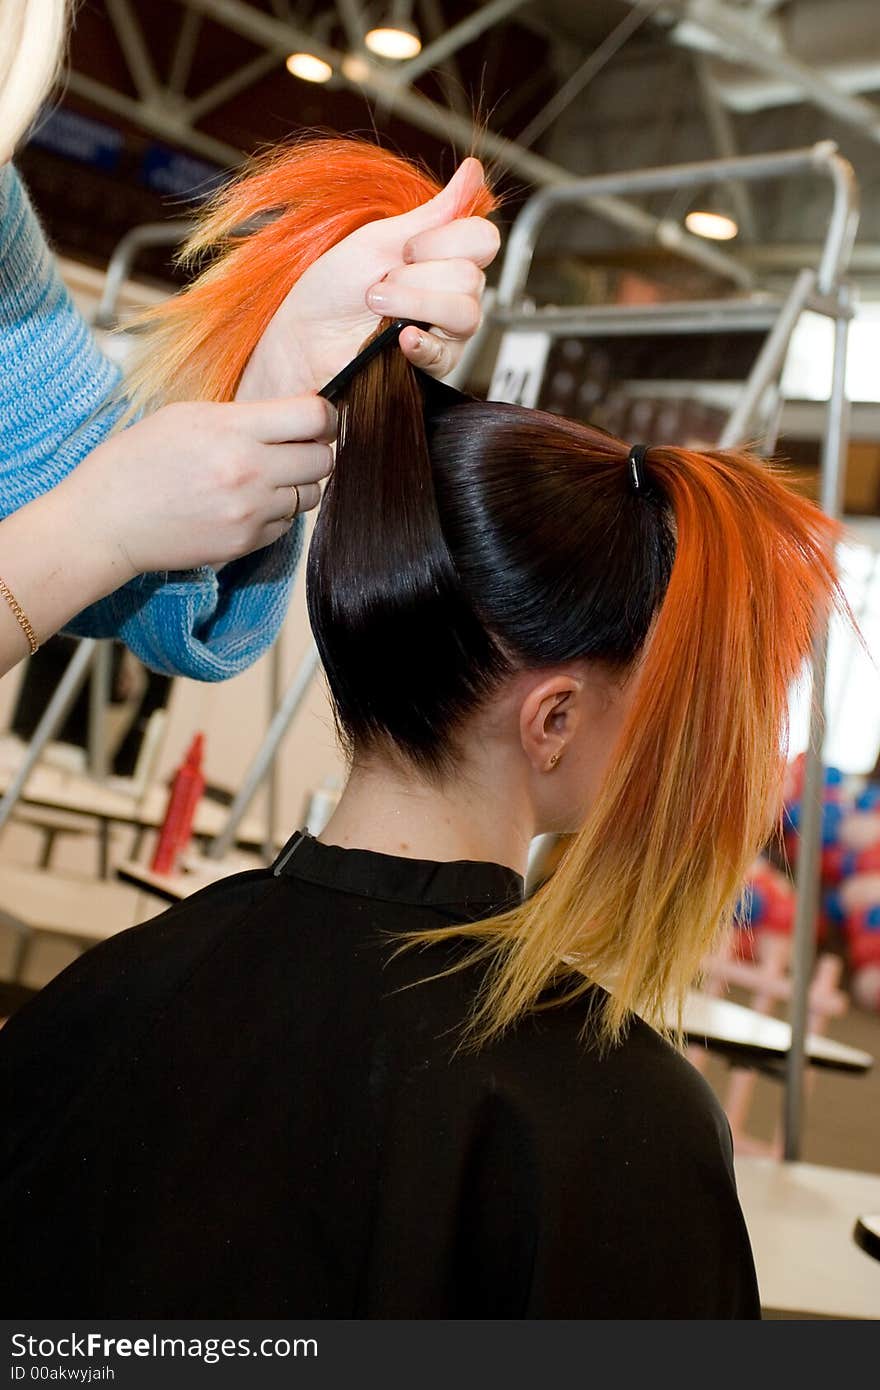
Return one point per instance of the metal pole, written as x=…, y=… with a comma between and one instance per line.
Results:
x=353, y=20
x=184, y=52
x=768, y=362
x=263, y=761
x=809, y=855
x=720, y=125
x=54, y=716
x=593, y=192
x=808, y=885
x=120, y=263
x=844, y=221
x=448, y=70
x=134, y=47
x=754, y=314
x=791, y=255
x=276, y=666
x=99, y=699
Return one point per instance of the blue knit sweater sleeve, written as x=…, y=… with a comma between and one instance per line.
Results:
x=57, y=403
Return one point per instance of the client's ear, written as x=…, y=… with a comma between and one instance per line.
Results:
x=550, y=716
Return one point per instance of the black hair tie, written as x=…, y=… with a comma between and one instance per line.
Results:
x=636, y=466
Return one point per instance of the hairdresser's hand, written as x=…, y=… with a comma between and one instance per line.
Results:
x=201, y=484
x=425, y=265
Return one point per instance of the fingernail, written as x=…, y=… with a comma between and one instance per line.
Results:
x=418, y=342
x=377, y=298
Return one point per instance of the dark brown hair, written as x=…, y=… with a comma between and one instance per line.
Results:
x=437, y=570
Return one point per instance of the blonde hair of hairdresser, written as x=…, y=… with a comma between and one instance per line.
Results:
x=32, y=35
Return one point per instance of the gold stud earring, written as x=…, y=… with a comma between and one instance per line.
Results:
x=554, y=760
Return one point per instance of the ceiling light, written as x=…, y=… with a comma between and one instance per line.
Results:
x=397, y=39
x=308, y=67
x=717, y=226
x=355, y=68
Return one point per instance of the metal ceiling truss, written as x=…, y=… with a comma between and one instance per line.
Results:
x=591, y=66
x=169, y=113
x=166, y=109
x=169, y=124
x=131, y=41
x=184, y=51
x=746, y=37
x=448, y=71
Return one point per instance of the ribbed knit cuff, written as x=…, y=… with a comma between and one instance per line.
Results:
x=198, y=623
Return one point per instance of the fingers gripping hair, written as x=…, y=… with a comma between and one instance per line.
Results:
x=309, y=196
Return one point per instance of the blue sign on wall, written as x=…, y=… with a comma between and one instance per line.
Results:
x=169, y=171
x=78, y=137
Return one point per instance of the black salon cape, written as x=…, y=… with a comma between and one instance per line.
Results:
x=238, y=1110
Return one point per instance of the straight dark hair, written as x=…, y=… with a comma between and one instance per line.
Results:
x=436, y=570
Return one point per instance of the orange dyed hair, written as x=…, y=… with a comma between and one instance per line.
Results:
x=312, y=194
x=511, y=540
x=693, y=789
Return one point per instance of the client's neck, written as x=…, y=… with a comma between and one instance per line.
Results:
x=389, y=812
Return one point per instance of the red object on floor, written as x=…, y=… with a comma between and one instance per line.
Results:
x=186, y=791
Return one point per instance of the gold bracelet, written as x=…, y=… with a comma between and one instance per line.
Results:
x=24, y=621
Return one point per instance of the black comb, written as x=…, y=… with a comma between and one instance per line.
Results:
x=438, y=397
x=334, y=388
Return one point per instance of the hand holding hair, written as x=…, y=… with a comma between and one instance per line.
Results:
x=425, y=265
x=212, y=482
x=442, y=279
x=351, y=235
x=192, y=484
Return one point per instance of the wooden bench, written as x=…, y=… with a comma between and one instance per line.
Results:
x=34, y=903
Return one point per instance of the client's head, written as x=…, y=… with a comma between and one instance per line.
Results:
x=481, y=589
x=491, y=592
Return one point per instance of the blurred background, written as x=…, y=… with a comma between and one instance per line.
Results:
x=647, y=310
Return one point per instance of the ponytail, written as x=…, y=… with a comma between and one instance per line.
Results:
x=693, y=788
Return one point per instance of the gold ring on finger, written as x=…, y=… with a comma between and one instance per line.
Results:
x=291, y=516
